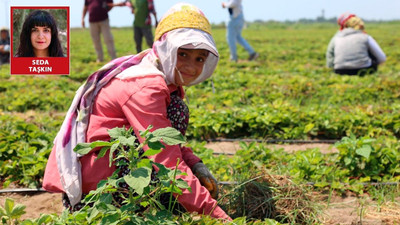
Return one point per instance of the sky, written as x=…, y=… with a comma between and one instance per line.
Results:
x=278, y=10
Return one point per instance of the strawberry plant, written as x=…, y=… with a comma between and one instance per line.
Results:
x=11, y=213
x=24, y=150
x=361, y=159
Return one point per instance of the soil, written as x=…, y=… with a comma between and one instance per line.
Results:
x=232, y=147
x=340, y=210
x=36, y=203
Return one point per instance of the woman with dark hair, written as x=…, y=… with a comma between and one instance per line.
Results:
x=39, y=36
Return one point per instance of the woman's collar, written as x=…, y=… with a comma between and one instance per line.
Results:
x=172, y=88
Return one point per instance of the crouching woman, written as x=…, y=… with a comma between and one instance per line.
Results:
x=137, y=91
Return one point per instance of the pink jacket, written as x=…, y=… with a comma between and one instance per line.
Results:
x=138, y=102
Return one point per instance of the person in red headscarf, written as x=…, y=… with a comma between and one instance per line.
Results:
x=352, y=51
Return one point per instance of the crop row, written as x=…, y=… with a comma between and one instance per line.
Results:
x=286, y=94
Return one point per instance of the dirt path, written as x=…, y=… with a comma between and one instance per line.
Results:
x=364, y=211
x=36, y=203
x=232, y=147
x=341, y=210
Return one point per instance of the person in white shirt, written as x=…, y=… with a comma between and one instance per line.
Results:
x=235, y=27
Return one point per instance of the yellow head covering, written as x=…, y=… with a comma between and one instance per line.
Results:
x=182, y=16
x=355, y=23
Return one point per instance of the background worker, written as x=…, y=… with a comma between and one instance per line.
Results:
x=99, y=24
x=352, y=51
x=142, y=22
x=4, y=46
x=235, y=27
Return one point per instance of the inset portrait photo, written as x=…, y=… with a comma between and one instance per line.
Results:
x=40, y=40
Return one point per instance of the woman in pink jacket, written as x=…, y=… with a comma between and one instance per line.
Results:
x=137, y=91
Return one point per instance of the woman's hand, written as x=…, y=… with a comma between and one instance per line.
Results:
x=206, y=178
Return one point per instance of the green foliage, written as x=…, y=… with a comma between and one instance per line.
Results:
x=23, y=93
x=11, y=213
x=358, y=162
x=42, y=220
x=221, y=165
x=286, y=94
x=366, y=160
x=141, y=204
x=24, y=150
x=141, y=200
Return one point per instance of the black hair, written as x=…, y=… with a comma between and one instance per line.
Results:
x=39, y=18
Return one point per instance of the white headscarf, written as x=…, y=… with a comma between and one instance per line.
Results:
x=168, y=46
x=162, y=58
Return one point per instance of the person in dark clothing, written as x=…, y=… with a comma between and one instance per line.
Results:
x=4, y=46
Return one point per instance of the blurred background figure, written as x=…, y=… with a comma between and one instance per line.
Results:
x=235, y=27
x=100, y=24
x=4, y=46
x=142, y=22
x=352, y=51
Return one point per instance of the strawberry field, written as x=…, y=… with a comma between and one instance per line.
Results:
x=286, y=94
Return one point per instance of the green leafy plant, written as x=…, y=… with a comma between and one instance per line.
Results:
x=358, y=157
x=24, y=150
x=141, y=200
x=11, y=213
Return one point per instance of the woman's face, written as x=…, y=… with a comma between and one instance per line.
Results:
x=40, y=38
x=189, y=65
